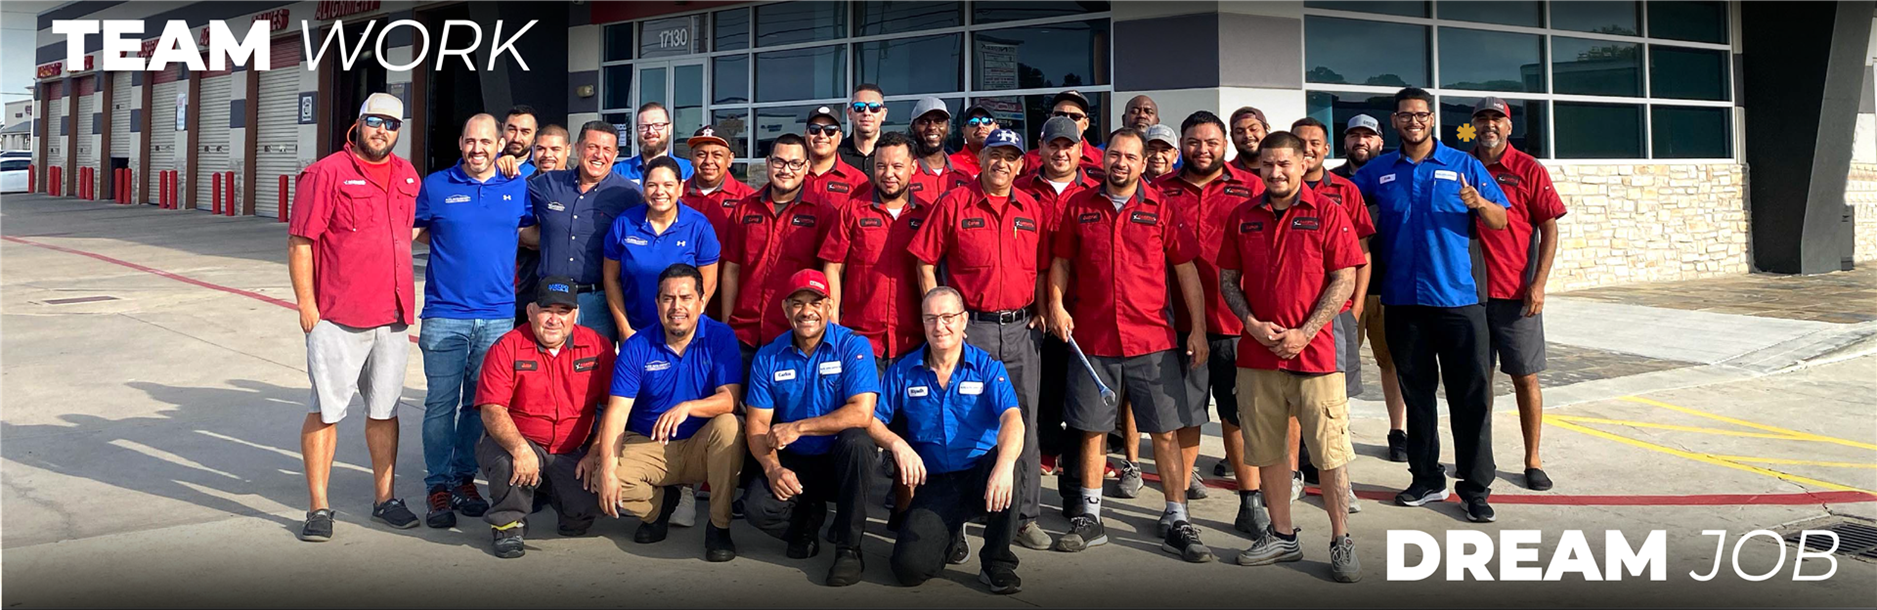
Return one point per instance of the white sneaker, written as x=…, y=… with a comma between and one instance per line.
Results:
x=1355, y=505
x=685, y=515
x=1296, y=486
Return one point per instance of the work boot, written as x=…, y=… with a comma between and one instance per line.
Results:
x=655, y=531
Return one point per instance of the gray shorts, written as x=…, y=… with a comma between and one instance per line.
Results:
x=342, y=362
x=1518, y=342
x=1154, y=384
x=1217, y=382
x=1348, y=351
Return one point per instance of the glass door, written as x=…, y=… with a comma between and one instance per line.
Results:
x=679, y=85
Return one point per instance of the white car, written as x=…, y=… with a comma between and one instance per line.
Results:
x=13, y=174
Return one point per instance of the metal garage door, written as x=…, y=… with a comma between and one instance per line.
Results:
x=55, y=126
x=122, y=140
x=278, y=148
x=82, y=124
x=211, y=128
x=163, y=135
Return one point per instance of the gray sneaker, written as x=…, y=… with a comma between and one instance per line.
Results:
x=318, y=527
x=1270, y=549
x=1343, y=564
x=686, y=513
x=1196, y=486
x=1131, y=483
x=1183, y=540
x=1253, y=517
x=1031, y=536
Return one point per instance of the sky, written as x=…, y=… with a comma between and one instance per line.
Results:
x=18, y=29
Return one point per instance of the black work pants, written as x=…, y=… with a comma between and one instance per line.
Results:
x=843, y=476
x=1445, y=345
x=943, y=505
x=510, y=503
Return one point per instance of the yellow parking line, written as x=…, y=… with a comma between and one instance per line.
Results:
x=1760, y=460
x=1639, y=424
x=1710, y=459
x=1742, y=422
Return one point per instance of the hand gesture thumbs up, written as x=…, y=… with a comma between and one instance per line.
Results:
x=1468, y=195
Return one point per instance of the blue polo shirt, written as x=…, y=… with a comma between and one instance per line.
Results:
x=952, y=426
x=472, y=226
x=655, y=378
x=1422, y=228
x=643, y=254
x=634, y=168
x=800, y=386
x=574, y=224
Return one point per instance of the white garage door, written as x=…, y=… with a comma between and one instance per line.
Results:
x=163, y=135
x=121, y=95
x=212, y=149
x=277, y=148
x=55, y=126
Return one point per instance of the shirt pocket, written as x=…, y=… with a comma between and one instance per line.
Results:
x=977, y=241
x=1143, y=234
x=358, y=209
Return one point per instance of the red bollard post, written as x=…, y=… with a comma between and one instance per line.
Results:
x=119, y=188
x=81, y=182
x=232, y=210
x=281, y=211
x=217, y=188
x=175, y=181
x=32, y=177
x=162, y=190
x=57, y=188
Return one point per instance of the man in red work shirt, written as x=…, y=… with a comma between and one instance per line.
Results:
x=1059, y=178
x=977, y=125
x=1289, y=266
x=712, y=190
x=828, y=177
x=540, y=392
x=1074, y=106
x=1124, y=245
x=775, y=233
x=990, y=238
x=1518, y=263
x=349, y=257
x=867, y=250
x=932, y=172
x=1248, y=129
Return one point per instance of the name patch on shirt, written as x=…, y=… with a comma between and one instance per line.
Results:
x=972, y=223
x=869, y=223
x=1306, y=223
x=752, y=219
x=785, y=375
x=1385, y=179
x=585, y=364
x=914, y=223
x=1508, y=179
x=555, y=206
x=636, y=240
x=838, y=187
x=459, y=198
x=1087, y=218
x=802, y=220
x=831, y=367
x=1251, y=226
x=1237, y=191
x=918, y=391
x=971, y=388
x=1025, y=224
x=657, y=365
x=917, y=187
x=527, y=365
x=353, y=183
x=1146, y=218
x=729, y=203
x=1446, y=174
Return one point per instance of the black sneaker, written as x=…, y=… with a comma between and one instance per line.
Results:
x=1537, y=480
x=393, y=513
x=847, y=568
x=1417, y=495
x=1196, y=486
x=718, y=547
x=508, y=542
x=655, y=531
x=804, y=546
x=464, y=498
x=1003, y=581
x=1221, y=470
x=1253, y=516
x=1084, y=531
x=1183, y=540
x=442, y=513
x=1478, y=511
x=570, y=531
x=318, y=526
x=1397, y=446
x=960, y=549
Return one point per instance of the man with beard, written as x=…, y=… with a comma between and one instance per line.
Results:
x=1248, y=129
x=1518, y=263
x=933, y=175
x=1074, y=106
x=1125, y=246
x=1141, y=113
x=1430, y=197
x=1362, y=141
x=868, y=250
x=654, y=129
x=519, y=131
x=866, y=111
x=776, y=233
x=550, y=150
x=349, y=258
x=977, y=125
x=712, y=190
x=1163, y=152
x=991, y=238
x=575, y=208
x=469, y=214
x=827, y=178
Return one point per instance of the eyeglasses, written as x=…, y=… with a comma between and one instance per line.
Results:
x=1073, y=116
x=980, y=121
x=794, y=165
x=1418, y=117
x=868, y=107
x=824, y=130
x=383, y=123
x=943, y=318
x=653, y=127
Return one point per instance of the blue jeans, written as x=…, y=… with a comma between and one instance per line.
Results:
x=597, y=315
x=453, y=351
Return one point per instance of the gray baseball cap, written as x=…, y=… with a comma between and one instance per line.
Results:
x=930, y=104
x=1061, y=127
x=1163, y=133
x=1363, y=121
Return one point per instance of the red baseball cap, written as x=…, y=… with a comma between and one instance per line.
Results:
x=809, y=280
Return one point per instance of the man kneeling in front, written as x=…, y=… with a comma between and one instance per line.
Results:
x=960, y=433
x=669, y=421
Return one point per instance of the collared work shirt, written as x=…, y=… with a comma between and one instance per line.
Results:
x=768, y=247
x=835, y=185
x=1423, y=227
x=879, y=278
x=950, y=426
x=633, y=169
x=1121, y=269
x=574, y=224
x=644, y=253
x=1512, y=254
x=932, y=185
x=1207, y=211
x=800, y=386
x=361, y=234
x=656, y=378
x=473, y=228
x=992, y=253
x=719, y=205
x=1284, y=259
x=553, y=398
x=1045, y=193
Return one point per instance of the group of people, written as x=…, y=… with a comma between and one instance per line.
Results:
x=614, y=337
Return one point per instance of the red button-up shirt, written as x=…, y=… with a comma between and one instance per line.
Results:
x=1206, y=211
x=1340, y=191
x=966, y=161
x=552, y=398
x=991, y=253
x=361, y=234
x=1285, y=259
x=768, y=248
x=835, y=185
x=1512, y=255
x=1046, y=194
x=1121, y=270
x=717, y=205
x=932, y=186
x=879, y=280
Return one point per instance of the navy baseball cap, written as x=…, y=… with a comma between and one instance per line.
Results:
x=1004, y=137
x=557, y=290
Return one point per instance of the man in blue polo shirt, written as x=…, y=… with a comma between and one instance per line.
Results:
x=811, y=395
x=576, y=207
x=670, y=420
x=1429, y=196
x=470, y=215
x=962, y=434
x=654, y=131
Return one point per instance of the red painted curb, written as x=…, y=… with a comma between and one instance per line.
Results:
x=1790, y=499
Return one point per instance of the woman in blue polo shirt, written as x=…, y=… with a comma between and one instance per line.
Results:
x=646, y=239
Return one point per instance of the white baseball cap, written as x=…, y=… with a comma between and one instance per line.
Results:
x=384, y=105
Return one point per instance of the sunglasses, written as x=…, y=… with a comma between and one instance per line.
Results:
x=383, y=123
x=980, y=121
x=1073, y=116
x=824, y=130
x=868, y=107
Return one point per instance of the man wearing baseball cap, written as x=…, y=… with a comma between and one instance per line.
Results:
x=349, y=258
x=1518, y=263
x=990, y=237
x=810, y=402
x=976, y=123
x=1163, y=152
x=540, y=392
x=933, y=173
x=1248, y=129
x=711, y=189
x=1362, y=141
x=1074, y=106
x=829, y=178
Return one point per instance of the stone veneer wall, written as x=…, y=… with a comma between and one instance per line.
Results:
x=1649, y=223
x=1861, y=194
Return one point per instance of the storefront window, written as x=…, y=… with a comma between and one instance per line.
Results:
x=729, y=77
x=908, y=66
x=730, y=30
x=1357, y=52
x=1335, y=110
x=995, y=12
x=617, y=84
x=794, y=22
x=875, y=18
x=1528, y=14
x=1596, y=67
x=801, y=74
x=1690, y=74
x=1529, y=124
x=618, y=43
x=1691, y=21
x=1491, y=61
x=1403, y=9
x=1073, y=54
x=1599, y=131
x=1682, y=132
x=1596, y=16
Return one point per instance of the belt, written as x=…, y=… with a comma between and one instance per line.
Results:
x=1008, y=316
x=585, y=288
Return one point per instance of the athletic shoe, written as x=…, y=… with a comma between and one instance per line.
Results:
x=508, y=543
x=1085, y=531
x=1253, y=517
x=718, y=547
x=960, y=549
x=1165, y=524
x=1003, y=581
x=686, y=514
x=1397, y=446
x=442, y=508
x=466, y=499
x=1183, y=540
x=1296, y=486
x=1416, y=495
x=655, y=531
x=393, y=513
x=572, y=532
x=1478, y=511
x=318, y=527
x=804, y=546
x=1131, y=483
x=1196, y=486
x=1108, y=471
x=1537, y=480
x=1221, y=470
x=1343, y=564
x=1031, y=536
x=1270, y=549
x=1355, y=505
x=1049, y=464
x=847, y=568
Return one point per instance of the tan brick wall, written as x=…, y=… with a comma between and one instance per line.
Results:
x=1649, y=223
x=1861, y=194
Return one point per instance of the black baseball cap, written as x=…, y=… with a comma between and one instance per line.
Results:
x=1070, y=96
x=557, y=290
